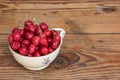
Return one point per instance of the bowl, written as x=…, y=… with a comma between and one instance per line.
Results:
x=38, y=63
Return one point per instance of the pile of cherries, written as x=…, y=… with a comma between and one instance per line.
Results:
x=34, y=40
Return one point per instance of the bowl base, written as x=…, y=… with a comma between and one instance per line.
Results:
x=38, y=68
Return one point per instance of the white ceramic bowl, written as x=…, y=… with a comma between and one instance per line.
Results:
x=38, y=63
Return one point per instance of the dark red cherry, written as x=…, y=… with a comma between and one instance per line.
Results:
x=23, y=51
x=28, y=23
x=54, y=44
x=44, y=42
x=16, y=36
x=43, y=26
x=29, y=35
x=10, y=38
x=25, y=43
x=15, y=45
x=44, y=50
x=32, y=48
x=36, y=40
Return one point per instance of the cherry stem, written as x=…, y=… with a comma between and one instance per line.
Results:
x=36, y=22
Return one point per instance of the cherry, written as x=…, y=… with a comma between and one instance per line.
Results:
x=49, y=39
x=21, y=39
x=29, y=35
x=37, y=32
x=22, y=32
x=43, y=26
x=37, y=54
x=54, y=32
x=44, y=42
x=37, y=47
x=47, y=32
x=30, y=55
x=23, y=51
x=54, y=44
x=44, y=50
x=15, y=45
x=25, y=43
x=28, y=23
x=43, y=35
x=36, y=26
x=31, y=28
x=15, y=30
x=50, y=49
x=26, y=28
x=10, y=38
x=36, y=40
x=57, y=37
x=32, y=48
x=16, y=36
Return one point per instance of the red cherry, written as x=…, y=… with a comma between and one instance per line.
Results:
x=54, y=32
x=30, y=55
x=43, y=26
x=21, y=39
x=25, y=43
x=37, y=32
x=29, y=35
x=36, y=26
x=22, y=32
x=26, y=28
x=43, y=35
x=23, y=51
x=10, y=38
x=54, y=44
x=49, y=39
x=47, y=33
x=37, y=54
x=44, y=50
x=43, y=42
x=15, y=45
x=15, y=30
x=31, y=28
x=32, y=49
x=28, y=23
x=50, y=49
x=36, y=40
x=16, y=36
x=57, y=37
x=37, y=47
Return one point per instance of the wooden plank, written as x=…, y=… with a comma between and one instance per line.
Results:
x=54, y=1
x=73, y=21
x=24, y=5
x=85, y=56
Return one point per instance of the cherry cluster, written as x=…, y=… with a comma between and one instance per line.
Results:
x=34, y=40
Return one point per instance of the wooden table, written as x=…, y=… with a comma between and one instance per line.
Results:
x=91, y=47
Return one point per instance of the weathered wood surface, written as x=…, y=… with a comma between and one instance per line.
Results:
x=91, y=47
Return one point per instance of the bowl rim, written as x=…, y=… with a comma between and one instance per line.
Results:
x=37, y=56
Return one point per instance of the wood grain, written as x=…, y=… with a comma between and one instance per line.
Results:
x=82, y=17
x=90, y=49
x=72, y=23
